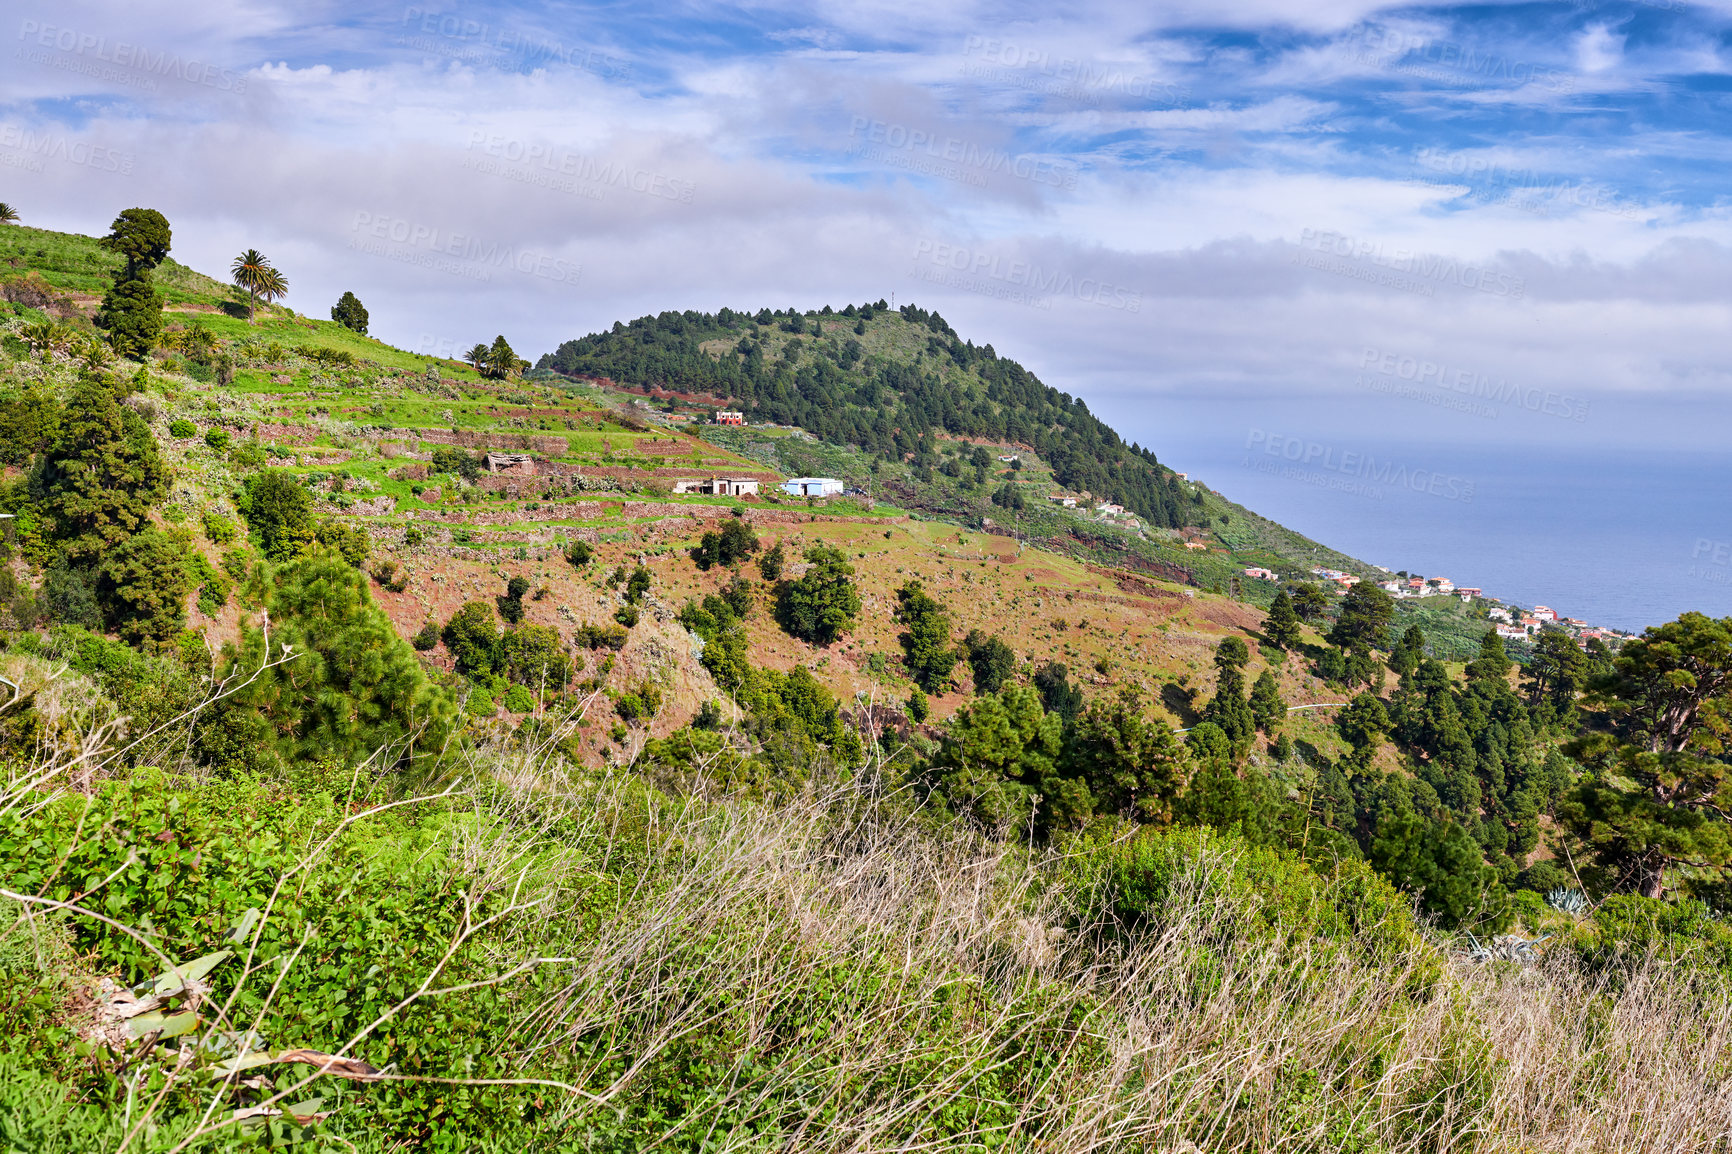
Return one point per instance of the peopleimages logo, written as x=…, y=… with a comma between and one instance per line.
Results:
x=554, y=164
x=1712, y=561
x=460, y=254
x=971, y=160
x=49, y=146
x=448, y=34
x=1347, y=470
x=1019, y=279
x=1424, y=269
x=1430, y=58
x=86, y=53
x=1526, y=189
x=1028, y=67
x=1431, y=374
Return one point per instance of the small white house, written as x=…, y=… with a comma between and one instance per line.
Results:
x=812, y=487
x=719, y=486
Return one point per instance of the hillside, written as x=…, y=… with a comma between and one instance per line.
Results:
x=520, y=800
x=884, y=382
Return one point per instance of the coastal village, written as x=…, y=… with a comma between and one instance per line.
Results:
x=1512, y=622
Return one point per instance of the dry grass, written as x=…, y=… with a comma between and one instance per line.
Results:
x=835, y=974
x=855, y=982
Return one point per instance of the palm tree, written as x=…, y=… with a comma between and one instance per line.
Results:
x=477, y=357
x=275, y=286
x=8, y=214
x=252, y=271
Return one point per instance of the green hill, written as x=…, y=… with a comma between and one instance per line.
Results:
x=886, y=382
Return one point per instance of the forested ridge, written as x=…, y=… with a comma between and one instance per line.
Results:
x=883, y=403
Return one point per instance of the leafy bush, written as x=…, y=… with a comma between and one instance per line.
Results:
x=278, y=511
x=218, y=439
x=732, y=545
x=822, y=604
x=456, y=462
x=991, y=661
x=1270, y=897
x=519, y=700
x=770, y=564
x=219, y=530
x=578, y=553
x=532, y=655
x=472, y=638
x=601, y=636
x=919, y=709
x=182, y=428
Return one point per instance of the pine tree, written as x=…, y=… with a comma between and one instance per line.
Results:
x=1363, y=622
x=1228, y=709
x=1655, y=792
x=1363, y=725
x=1132, y=767
x=1281, y=626
x=353, y=690
x=1409, y=653
x=998, y=754
x=926, y=647
x=102, y=476
x=1493, y=663
x=143, y=584
x=1267, y=704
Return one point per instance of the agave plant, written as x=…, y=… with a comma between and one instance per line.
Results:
x=1506, y=948
x=44, y=337
x=1567, y=901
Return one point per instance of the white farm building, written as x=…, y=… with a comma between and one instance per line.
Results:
x=812, y=487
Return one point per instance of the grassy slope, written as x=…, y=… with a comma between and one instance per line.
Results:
x=1151, y=636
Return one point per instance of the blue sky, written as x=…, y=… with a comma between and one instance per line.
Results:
x=1351, y=218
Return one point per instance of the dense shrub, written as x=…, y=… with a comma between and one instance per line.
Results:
x=279, y=512
x=821, y=605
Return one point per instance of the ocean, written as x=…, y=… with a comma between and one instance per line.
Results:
x=1616, y=535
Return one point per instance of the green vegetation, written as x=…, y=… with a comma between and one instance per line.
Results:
x=821, y=604
x=350, y=313
x=254, y=274
x=888, y=403
x=508, y=874
x=926, y=649
x=131, y=311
